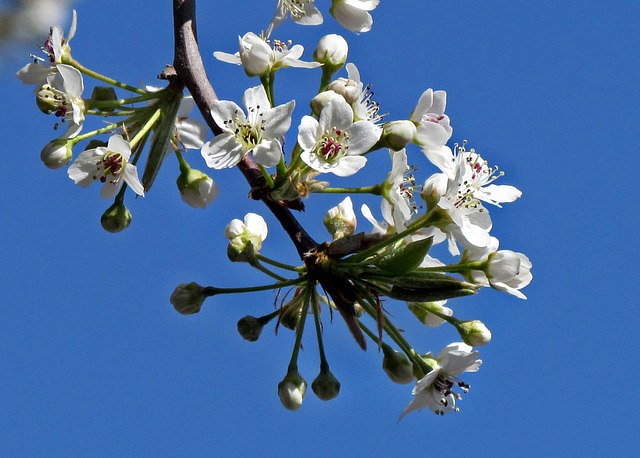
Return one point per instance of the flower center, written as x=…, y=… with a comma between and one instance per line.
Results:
x=296, y=7
x=408, y=186
x=249, y=132
x=112, y=163
x=443, y=385
x=333, y=145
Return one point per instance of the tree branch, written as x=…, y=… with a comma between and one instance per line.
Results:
x=190, y=70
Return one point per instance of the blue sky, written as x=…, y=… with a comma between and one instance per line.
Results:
x=95, y=361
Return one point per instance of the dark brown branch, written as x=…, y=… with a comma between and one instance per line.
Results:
x=190, y=69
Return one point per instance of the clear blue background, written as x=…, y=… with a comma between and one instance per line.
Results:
x=94, y=361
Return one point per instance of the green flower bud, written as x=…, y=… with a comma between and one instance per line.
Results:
x=341, y=219
x=104, y=94
x=429, y=360
x=188, y=298
x=398, y=367
x=292, y=390
x=290, y=317
x=398, y=134
x=423, y=311
x=474, y=333
x=196, y=188
x=245, y=238
x=326, y=386
x=117, y=218
x=250, y=328
x=332, y=52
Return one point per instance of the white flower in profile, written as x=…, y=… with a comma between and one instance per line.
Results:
x=302, y=12
x=433, y=126
x=260, y=57
x=434, y=390
x=399, y=186
x=334, y=143
x=353, y=14
x=66, y=86
x=504, y=270
x=56, y=49
x=109, y=165
x=257, y=132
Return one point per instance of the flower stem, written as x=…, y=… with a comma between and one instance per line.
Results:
x=324, y=366
x=105, y=79
x=376, y=190
x=293, y=364
x=147, y=127
x=256, y=265
x=278, y=264
x=212, y=290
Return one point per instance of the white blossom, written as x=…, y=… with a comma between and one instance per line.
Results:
x=334, y=143
x=301, y=12
x=109, y=165
x=259, y=57
x=258, y=132
x=433, y=126
x=434, y=390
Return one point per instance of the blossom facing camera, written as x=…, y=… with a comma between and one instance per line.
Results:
x=109, y=165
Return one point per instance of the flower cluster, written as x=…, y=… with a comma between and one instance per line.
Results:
x=353, y=273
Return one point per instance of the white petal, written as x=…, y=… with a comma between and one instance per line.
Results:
x=337, y=113
x=193, y=132
x=117, y=144
x=33, y=73
x=349, y=165
x=442, y=158
x=362, y=136
x=223, y=151
x=110, y=189
x=228, y=58
x=351, y=18
x=495, y=193
x=73, y=83
x=308, y=132
x=226, y=110
x=268, y=152
x=256, y=97
x=131, y=178
x=278, y=120
x=83, y=169
x=311, y=15
x=256, y=225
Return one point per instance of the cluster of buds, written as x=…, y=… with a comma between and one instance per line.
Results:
x=355, y=272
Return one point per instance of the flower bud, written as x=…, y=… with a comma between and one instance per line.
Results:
x=474, y=333
x=250, y=328
x=434, y=188
x=341, y=220
x=290, y=317
x=398, y=367
x=429, y=360
x=346, y=88
x=292, y=390
x=245, y=238
x=405, y=257
x=422, y=311
x=56, y=154
x=398, y=134
x=332, y=51
x=188, y=298
x=104, y=94
x=117, y=218
x=196, y=188
x=326, y=386
x=321, y=100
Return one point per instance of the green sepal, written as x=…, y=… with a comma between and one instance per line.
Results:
x=170, y=102
x=103, y=94
x=405, y=258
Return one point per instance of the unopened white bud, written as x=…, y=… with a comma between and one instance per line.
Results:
x=346, y=88
x=196, y=188
x=321, y=100
x=292, y=390
x=474, y=333
x=398, y=134
x=341, y=219
x=56, y=155
x=332, y=51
